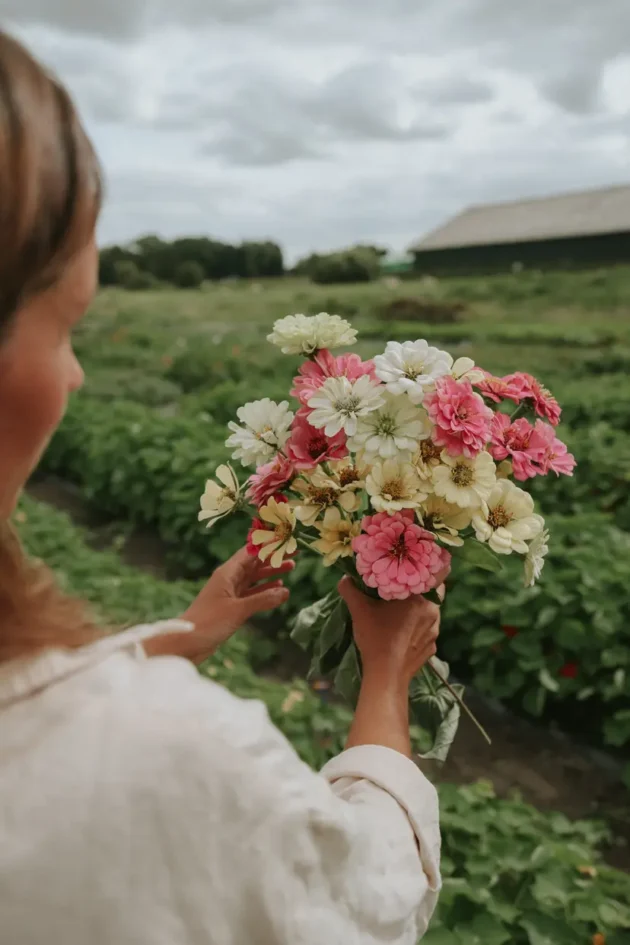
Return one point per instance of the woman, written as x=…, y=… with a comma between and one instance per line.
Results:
x=140, y=803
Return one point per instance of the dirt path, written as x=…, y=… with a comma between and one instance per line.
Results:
x=550, y=770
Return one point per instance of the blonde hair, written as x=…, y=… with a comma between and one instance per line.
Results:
x=50, y=194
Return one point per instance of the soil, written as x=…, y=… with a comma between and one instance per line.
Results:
x=550, y=770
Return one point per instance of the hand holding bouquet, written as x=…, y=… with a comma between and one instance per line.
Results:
x=386, y=469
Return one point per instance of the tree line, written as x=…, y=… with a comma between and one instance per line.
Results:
x=190, y=261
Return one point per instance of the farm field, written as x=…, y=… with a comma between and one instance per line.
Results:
x=165, y=372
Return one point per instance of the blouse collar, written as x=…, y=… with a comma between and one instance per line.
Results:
x=23, y=677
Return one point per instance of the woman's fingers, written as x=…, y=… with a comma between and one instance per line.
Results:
x=267, y=597
x=265, y=571
x=257, y=588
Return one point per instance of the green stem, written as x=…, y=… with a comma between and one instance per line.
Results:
x=459, y=700
x=520, y=410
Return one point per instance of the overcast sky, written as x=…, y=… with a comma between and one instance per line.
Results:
x=321, y=123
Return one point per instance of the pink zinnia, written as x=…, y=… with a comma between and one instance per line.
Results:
x=397, y=556
x=556, y=457
x=545, y=404
x=269, y=480
x=307, y=447
x=519, y=441
x=324, y=365
x=499, y=388
x=462, y=420
x=257, y=524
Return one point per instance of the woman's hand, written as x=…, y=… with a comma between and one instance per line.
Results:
x=395, y=638
x=237, y=590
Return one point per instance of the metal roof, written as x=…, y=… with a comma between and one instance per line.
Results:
x=577, y=214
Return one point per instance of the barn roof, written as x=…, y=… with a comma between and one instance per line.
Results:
x=577, y=214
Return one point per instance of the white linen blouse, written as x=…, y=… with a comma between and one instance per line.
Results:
x=141, y=804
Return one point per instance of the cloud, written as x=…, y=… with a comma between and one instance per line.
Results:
x=128, y=19
x=322, y=124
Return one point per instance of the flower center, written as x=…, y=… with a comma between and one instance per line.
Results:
x=394, y=489
x=228, y=494
x=348, y=475
x=317, y=446
x=518, y=441
x=399, y=548
x=283, y=531
x=462, y=413
x=462, y=474
x=347, y=405
x=386, y=425
x=498, y=517
x=412, y=371
x=323, y=496
x=429, y=451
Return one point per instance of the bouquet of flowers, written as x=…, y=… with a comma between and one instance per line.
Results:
x=386, y=469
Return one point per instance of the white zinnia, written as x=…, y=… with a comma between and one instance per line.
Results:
x=465, y=482
x=264, y=431
x=507, y=522
x=535, y=558
x=219, y=500
x=392, y=431
x=393, y=486
x=306, y=334
x=339, y=403
x=412, y=368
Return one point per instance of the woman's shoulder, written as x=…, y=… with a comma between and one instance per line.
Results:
x=165, y=696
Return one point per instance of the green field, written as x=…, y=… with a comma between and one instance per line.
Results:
x=167, y=369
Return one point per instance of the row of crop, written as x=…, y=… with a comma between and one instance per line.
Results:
x=575, y=626
x=511, y=873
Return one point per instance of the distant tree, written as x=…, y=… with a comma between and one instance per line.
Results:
x=108, y=264
x=262, y=260
x=162, y=259
x=306, y=266
x=189, y=275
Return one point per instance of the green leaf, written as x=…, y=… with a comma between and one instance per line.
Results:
x=436, y=711
x=485, y=929
x=348, y=676
x=478, y=555
x=307, y=625
x=545, y=930
x=487, y=636
x=547, y=680
x=332, y=635
x=614, y=915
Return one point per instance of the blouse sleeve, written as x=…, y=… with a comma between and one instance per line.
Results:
x=350, y=855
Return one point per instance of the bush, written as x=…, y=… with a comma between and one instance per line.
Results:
x=515, y=876
x=189, y=275
x=130, y=277
x=560, y=650
x=358, y=265
x=429, y=311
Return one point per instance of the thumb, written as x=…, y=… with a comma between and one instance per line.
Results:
x=266, y=599
x=350, y=593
